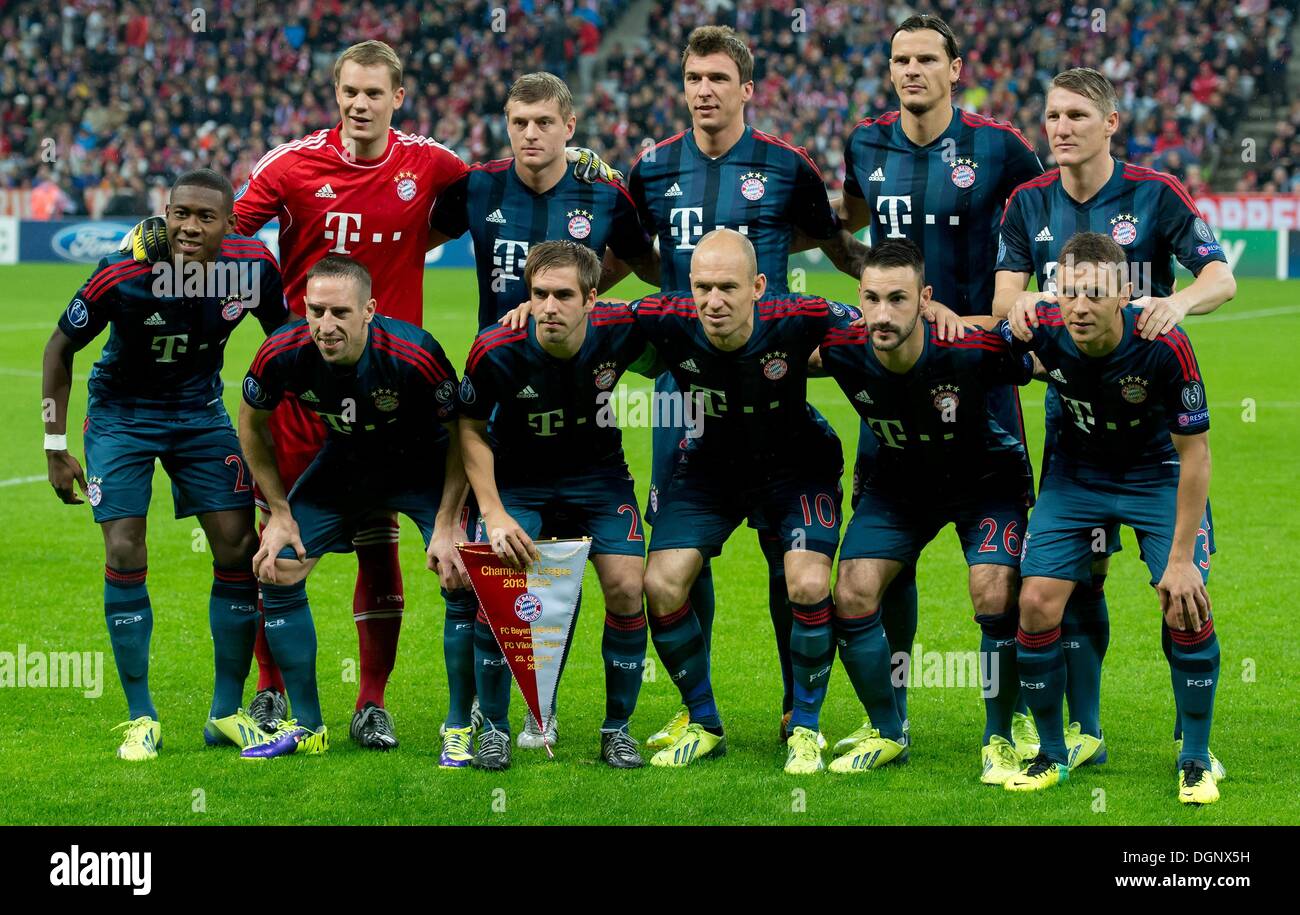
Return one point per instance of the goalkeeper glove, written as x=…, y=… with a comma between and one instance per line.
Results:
x=148, y=242
x=587, y=166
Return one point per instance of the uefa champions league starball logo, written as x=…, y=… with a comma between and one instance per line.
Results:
x=528, y=607
x=1123, y=228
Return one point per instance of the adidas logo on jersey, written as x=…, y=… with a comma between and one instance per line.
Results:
x=863, y=397
x=527, y=393
x=495, y=216
x=156, y=320
x=1057, y=375
x=690, y=366
x=877, y=175
x=327, y=192
x=674, y=191
x=1045, y=235
x=309, y=397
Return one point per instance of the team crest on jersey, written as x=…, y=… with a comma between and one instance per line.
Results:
x=94, y=490
x=579, y=223
x=753, y=185
x=1133, y=389
x=963, y=172
x=606, y=374
x=945, y=397
x=1123, y=228
x=406, y=185
x=774, y=366
x=528, y=607
x=232, y=306
x=385, y=400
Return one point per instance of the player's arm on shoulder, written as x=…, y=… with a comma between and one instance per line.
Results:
x=1213, y=286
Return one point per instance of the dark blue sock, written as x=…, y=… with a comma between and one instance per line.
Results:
x=491, y=676
x=458, y=654
x=622, y=648
x=1195, y=666
x=812, y=651
x=898, y=614
x=233, y=619
x=998, y=669
x=1085, y=635
x=1167, y=645
x=681, y=649
x=778, y=607
x=1041, y=665
x=292, y=636
x=864, y=651
x=702, y=601
x=129, y=616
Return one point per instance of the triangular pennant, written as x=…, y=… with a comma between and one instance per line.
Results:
x=531, y=612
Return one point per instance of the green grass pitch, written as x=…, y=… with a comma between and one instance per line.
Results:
x=58, y=750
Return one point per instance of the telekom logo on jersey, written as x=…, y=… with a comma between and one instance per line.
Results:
x=345, y=228
x=896, y=212
x=687, y=226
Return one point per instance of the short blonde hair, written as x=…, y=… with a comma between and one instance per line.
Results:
x=541, y=87
x=369, y=54
x=1091, y=85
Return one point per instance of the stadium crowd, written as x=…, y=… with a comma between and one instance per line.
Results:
x=132, y=94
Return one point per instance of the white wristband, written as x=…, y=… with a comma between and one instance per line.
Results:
x=56, y=442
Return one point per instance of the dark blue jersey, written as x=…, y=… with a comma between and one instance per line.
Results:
x=1118, y=410
x=551, y=417
x=505, y=217
x=754, y=422
x=932, y=422
x=762, y=187
x=1149, y=213
x=947, y=196
x=390, y=404
x=164, y=352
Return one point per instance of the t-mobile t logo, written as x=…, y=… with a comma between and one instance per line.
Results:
x=896, y=212
x=338, y=229
x=687, y=226
x=507, y=257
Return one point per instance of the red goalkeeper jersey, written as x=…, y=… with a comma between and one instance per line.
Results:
x=375, y=210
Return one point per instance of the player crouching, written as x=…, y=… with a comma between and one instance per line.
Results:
x=1133, y=449
x=386, y=392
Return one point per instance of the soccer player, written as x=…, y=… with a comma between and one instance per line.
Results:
x=759, y=453
x=1152, y=217
x=939, y=176
x=511, y=204
x=365, y=190
x=387, y=394
x=942, y=459
x=1132, y=448
x=155, y=394
x=554, y=450
x=508, y=205
x=724, y=173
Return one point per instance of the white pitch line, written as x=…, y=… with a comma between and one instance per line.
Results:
x=18, y=481
x=1219, y=317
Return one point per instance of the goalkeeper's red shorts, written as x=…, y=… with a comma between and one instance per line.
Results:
x=299, y=436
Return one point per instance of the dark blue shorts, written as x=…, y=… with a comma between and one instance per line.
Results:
x=600, y=505
x=898, y=526
x=700, y=510
x=1073, y=518
x=198, y=449
x=334, y=495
